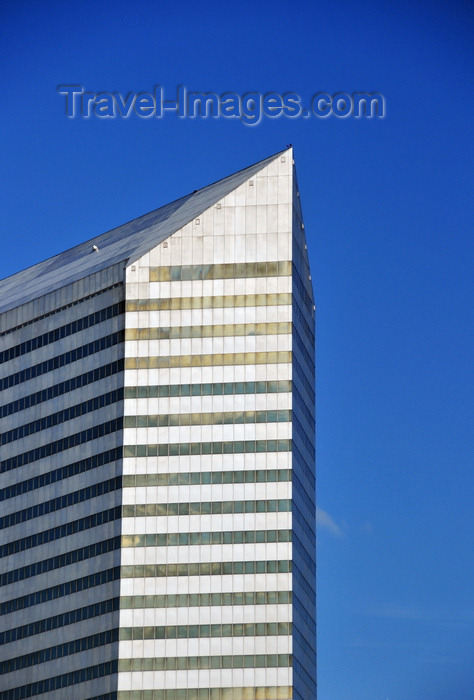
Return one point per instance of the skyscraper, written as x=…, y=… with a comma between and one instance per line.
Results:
x=157, y=473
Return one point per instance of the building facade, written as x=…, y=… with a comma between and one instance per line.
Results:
x=157, y=456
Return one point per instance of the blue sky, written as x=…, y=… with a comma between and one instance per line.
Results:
x=388, y=213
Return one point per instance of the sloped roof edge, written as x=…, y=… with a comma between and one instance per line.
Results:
x=126, y=243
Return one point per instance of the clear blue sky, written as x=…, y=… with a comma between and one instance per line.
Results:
x=388, y=208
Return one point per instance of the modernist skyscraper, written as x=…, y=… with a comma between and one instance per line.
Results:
x=157, y=464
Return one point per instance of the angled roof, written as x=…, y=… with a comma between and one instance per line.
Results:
x=126, y=243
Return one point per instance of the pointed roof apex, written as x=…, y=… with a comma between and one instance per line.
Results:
x=126, y=243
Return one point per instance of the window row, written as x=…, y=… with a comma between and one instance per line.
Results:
x=303, y=633
x=189, y=600
x=209, y=302
x=249, y=629
x=62, y=388
x=306, y=440
x=63, y=416
x=65, y=501
x=239, y=476
x=177, y=539
x=60, y=560
x=309, y=682
x=60, y=590
x=300, y=254
x=181, y=273
x=65, y=443
x=150, y=479
x=205, y=508
x=306, y=627
x=305, y=522
x=304, y=608
x=305, y=409
x=304, y=498
x=306, y=644
x=194, y=663
x=301, y=464
x=79, y=324
x=302, y=347
x=64, y=530
x=51, y=623
x=206, y=568
x=209, y=360
x=206, y=448
x=300, y=319
x=208, y=389
x=66, y=358
x=226, y=330
x=216, y=418
x=304, y=611
x=181, y=663
x=304, y=337
x=302, y=378
x=150, y=540
x=53, y=312
x=63, y=681
x=304, y=605
x=304, y=548
x=303, y=585
x=299, y=285
x=273, y=692
x=83, y=465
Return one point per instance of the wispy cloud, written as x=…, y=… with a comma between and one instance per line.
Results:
x=395, y=611
x=324, y=520
x=399, y=612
